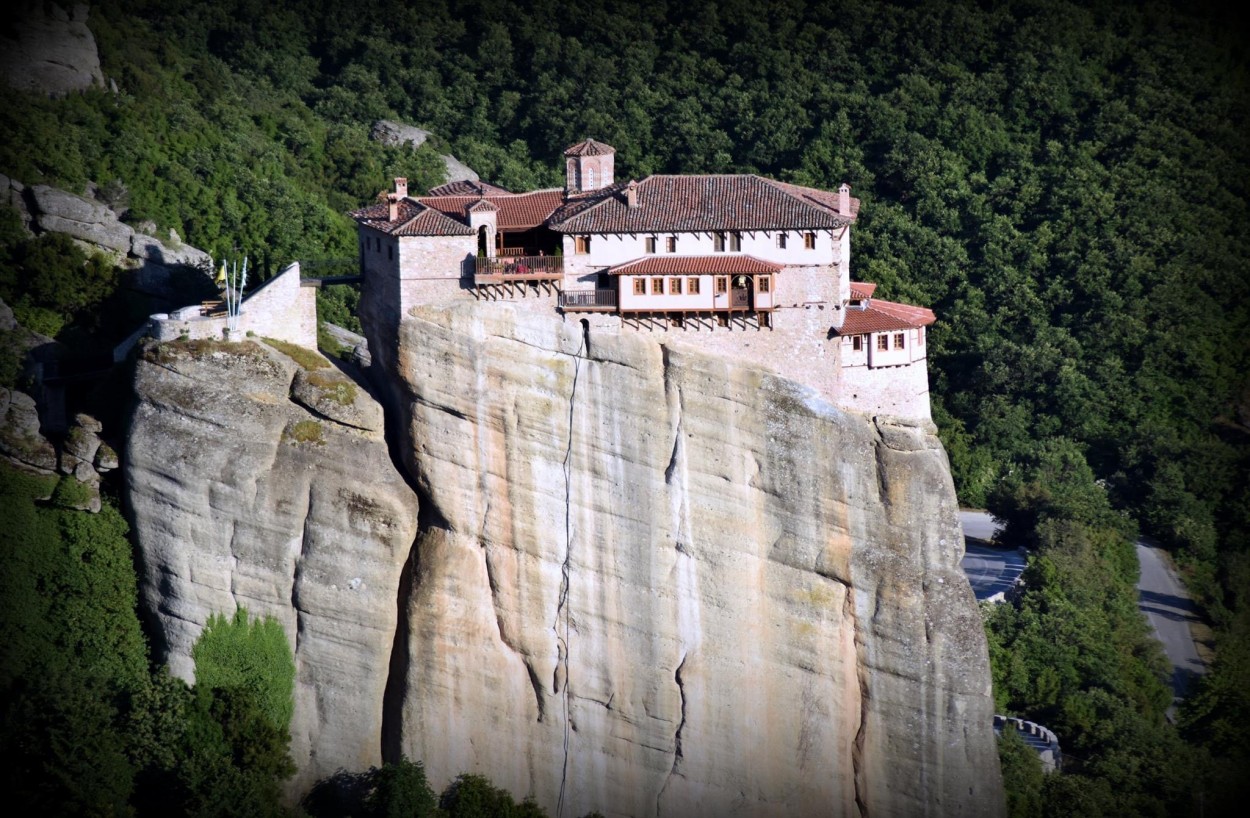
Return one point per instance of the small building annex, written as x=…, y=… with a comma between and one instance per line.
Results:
x=744, y=266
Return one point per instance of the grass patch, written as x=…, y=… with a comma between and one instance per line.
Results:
x=340, y=391
x=306, y=358
x=306, y=431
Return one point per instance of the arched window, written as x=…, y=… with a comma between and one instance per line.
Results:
x=483, y=242
x=590, y=178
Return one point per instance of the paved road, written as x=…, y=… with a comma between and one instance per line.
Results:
x=978, y=525
x=1164, y=601
x=990, y=571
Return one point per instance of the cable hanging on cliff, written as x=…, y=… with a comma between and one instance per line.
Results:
x=562, y=608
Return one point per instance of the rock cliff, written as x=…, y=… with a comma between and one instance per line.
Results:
x=254, y=482
x=651, y=582
x=644, y=581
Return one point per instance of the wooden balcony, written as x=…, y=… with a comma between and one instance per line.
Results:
x=588, y=301
x=510, y=269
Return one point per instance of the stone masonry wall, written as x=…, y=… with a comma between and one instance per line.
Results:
x=890, y=390
x=281, y=308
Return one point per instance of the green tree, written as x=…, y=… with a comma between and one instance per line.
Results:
x=239, y=654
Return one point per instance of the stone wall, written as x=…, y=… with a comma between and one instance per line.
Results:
x=281, y=308
x=890, y=390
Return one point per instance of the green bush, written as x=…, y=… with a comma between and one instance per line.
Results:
x=239, y=654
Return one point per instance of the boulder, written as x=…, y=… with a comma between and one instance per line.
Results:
x=151, y=249
x=48, y=49
x=457, y=171
x=397, y=133
x=90, y=221
x=20, y=439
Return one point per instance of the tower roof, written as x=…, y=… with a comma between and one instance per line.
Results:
x=589, y=147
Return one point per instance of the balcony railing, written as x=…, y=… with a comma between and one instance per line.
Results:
x=588, y=300
x=519, y=268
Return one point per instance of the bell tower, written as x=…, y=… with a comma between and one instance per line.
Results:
x=588, y=165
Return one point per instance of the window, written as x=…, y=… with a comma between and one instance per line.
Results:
x=590, y=178
x=764, y=284
x=377, y=244
x=693, y=286
x=920, y=337
x=718, y=242
x=657, y=286
x=670, y=244
x=809, y=241
x=857, y=343
x=640, y=286
x=781, y=241
x=883, y=342
x=899, y=340
x=650, y=244
x=390, y=252
x=722, y=285
x=581, y=245
x=674, y=286
x=735, y=242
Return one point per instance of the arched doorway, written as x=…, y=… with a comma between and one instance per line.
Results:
x=483, y=242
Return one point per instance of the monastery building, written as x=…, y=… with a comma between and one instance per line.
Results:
x=749, y=268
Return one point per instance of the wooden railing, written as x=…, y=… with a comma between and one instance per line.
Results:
x=588, y=300
x=518, y=267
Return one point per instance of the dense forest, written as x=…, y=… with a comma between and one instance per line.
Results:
x=1065, y=184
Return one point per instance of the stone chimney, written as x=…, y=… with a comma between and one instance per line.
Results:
x=844, y=199
x=631, y=194
x=392, y=206
x=401, y=187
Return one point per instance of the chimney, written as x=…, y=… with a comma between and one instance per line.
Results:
x=844, y=199
x=392, y=207
x=401, y=187
x=631, y=194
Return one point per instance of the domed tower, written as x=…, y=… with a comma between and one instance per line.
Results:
x=588, y=165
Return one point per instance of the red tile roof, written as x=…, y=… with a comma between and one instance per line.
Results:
x=414, y=219
x=466, y=188
x=885, y=316
x=517, y=211
x=695, y=265
x=672, y=204
x=589, y=147
x=862, y=289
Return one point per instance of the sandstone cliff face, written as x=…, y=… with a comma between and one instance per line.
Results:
x=254, y=483
x=650, y=582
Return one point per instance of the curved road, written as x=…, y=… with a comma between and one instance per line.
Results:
x=1161, y=597
x=1165, y=603
x=991, y=571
